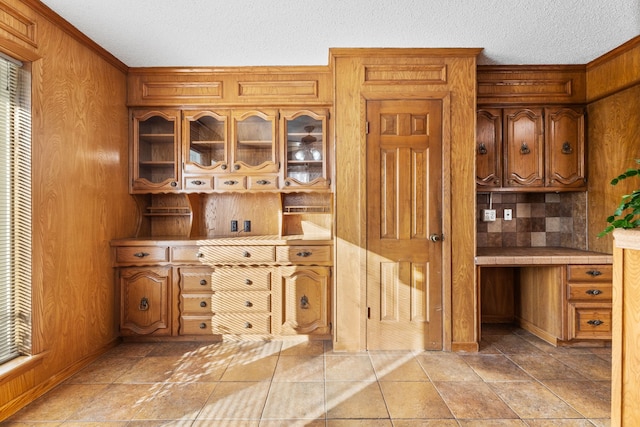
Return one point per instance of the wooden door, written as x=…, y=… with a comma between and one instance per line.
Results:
x=524, y=148
x=404, y=203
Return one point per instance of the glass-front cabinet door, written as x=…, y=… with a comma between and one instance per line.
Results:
x=305, y=162
x=205, y=141
x=254, y=141
x=155, y=158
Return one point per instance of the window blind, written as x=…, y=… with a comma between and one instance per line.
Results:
x=15, y=210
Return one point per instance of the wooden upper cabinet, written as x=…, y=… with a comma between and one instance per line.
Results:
x=524, y=148
x=565, y=147
x=489, y=148
x=155, y=151
x=254, y=141
x=305, y=148
x=205, y=141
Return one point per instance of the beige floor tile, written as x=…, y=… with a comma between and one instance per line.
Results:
x=426, y=423
x=473, y=400
x=225, y=423
x=292, y=423
x=150, y=370
x=117, y=402
x=495, y=368
x=149, y=423
x=349, y=367
x=295, y=401
x=250, y=369
x=59, y=403
x=600, y=422
x=299, y=369
x=512, y=344
x=591, y=398
x=236, y=401
x=351, y=399
x=559, y=423
x=359, y=423
x=105, y=370
x=302, y=348
x=530, y=399
x=492, y=423
x=397, y=366
x=132, y=349
x=112, y=424
x=446, y=367
x=589, y=365
x=413, y=400
x=543, y=368
x=193, y=369
x=175, y=349
x=176, y=401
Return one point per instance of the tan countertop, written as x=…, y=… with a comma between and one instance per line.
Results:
x=240, y=240
x=538, y=256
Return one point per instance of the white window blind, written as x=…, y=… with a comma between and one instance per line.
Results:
x=15, y=210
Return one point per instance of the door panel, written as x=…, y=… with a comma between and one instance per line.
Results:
x=404, y=193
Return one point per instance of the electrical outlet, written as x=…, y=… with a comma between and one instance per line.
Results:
x=234, y=225
x=508, y=214
x=488, y=215
x=247, y=226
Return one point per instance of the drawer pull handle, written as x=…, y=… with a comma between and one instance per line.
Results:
x=248, y=282
x=248, y=304
x=594, y=273
x=594, y=292
x=197, y=182
x=246, y=254
x=203, y=282
x=263, y=182
x=482, y=149
x=144, y=304
x=524, y=148
x=199, y=255
x=304, y=254
x=230, y=182
x=141, y=254
x=203, y=325
x=595, y=322
x=248, y=325
x=203, y=304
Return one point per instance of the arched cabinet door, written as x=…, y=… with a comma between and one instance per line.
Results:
x=144, y=294
x=489, y=148
x=305, y=300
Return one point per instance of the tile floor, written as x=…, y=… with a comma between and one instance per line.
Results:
x=515, y=380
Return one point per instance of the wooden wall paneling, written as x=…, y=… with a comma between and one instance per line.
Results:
x=80, y=203
x=613, y=71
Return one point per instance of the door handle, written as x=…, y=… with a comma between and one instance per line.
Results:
x=436, y=237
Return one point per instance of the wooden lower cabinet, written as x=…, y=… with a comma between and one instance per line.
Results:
x=194, y=284
x=145, y=307
x=305, y=300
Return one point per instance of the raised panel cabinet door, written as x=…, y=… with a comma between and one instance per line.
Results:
x=565, y=148
x=404, y=225
x=489, y=148
x=523, y=148
x=155, y=151
x=145, y=301
x=305, y=304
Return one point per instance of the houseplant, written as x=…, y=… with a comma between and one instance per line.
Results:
x=627, y=215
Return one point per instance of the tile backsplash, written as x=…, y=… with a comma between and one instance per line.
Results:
x=539, y=219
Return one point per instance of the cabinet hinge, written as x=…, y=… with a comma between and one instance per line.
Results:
x=328, y=115
x=366, y=128
x=368, y=312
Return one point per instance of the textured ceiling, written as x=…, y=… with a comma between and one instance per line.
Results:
x=145, y=33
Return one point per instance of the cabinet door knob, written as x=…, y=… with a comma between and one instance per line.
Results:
x=482, y=149
x=203, y=304
x=203, y=325
x=174, y=184
x=524, y=148
x=594, y=273
x=223, y=167
x=566, y=148
x=236, y=167
x=203, y=282
x=594, y=292
x=595, y=322
x=141, y=254
x=304, y=254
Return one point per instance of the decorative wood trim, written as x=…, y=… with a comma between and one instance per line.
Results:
x=66, y=27
x=618, y=51
x=18, y=25
x=614, y=71
x=158, y=91
x=411, y=74
x=279, y=88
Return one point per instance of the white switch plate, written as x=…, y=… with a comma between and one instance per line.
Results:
x=488, y=215
x=508, y=215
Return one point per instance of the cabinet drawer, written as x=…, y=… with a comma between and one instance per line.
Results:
x=195, y=279
x=590, y=321
x=196, y=303
x=303, y=254
x=197, y=183
x=230, y=182
x=195, y=325
x=590, y=273
x=239, y=301
x=141, y=254
x=224, y=254
x=262, y=183
x=589, y=291
x=242, y=279
x=241, y=324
